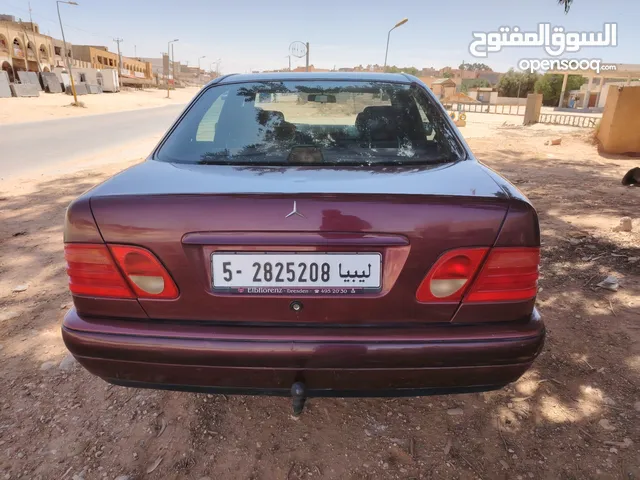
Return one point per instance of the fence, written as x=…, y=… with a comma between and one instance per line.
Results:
x=486, y=108
x=569, y=120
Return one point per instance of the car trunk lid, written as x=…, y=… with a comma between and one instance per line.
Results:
x=406, y=216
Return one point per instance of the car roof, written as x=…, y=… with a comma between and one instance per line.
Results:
x=292, y=76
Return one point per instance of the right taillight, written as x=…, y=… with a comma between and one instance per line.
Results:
x=509, y=274
x=450, y=276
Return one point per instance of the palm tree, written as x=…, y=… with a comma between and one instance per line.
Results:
x=567, y=4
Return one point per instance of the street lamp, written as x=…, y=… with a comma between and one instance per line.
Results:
x=169, y=61
x=66, y=57
x=199, y=76
x=386, y=53
x=217, y=64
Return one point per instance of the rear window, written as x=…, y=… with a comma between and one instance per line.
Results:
x=312, y=123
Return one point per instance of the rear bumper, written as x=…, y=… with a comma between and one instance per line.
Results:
x=331, y=361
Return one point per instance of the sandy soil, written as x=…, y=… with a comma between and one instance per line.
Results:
x=51, y=106
x=575, y=415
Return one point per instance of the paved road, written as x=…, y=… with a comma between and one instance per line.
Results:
x=27, y=147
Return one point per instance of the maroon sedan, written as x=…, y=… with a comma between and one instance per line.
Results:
x=306, y=235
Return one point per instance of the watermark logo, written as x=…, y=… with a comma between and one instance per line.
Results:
x=565, y=65
x=554, y=40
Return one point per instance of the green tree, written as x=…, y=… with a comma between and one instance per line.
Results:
x=566, y=3
x=409, y=70
x=473, y=83
x=550, y=86
x=517, y=84
x=447, y=75
x=475, y=67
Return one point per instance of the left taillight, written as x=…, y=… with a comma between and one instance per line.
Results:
x=147, y=276
x=93, y=273
x=117, y=271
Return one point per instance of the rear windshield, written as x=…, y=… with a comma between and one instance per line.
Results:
x=312, y=123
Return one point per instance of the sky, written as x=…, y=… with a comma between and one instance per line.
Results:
x=251, y=35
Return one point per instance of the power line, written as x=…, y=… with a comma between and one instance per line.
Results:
x=54, y=22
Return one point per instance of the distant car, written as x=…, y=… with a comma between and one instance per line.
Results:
x=306, y=235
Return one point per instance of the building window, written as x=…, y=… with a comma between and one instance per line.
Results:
x=57, y=51
x=17, y=49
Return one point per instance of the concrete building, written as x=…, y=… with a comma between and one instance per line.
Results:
x=429, y=72
x=591, y=93
x=483, y=94
x=441, y=87
x=311, y=69
x=457, y=73
x=158, y=67
x=24, y=48
x=100, y=57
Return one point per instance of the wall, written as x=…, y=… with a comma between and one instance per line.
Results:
x=509, y=101
x=90, y=75
x=602, y=101
x=532, y=111
x=620, y=124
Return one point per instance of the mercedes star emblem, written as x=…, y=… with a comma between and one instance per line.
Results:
x=295, y=211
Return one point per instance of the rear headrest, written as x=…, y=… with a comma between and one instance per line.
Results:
x=269, y=117
x=379, y=123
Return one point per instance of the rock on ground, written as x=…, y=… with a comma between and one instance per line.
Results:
x=47, y=366
x=68, y=363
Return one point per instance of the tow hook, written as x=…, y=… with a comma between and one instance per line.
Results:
x=299, y=395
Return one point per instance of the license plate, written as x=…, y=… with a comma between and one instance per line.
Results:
x=296, y=273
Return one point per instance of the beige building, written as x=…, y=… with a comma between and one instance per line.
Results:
x=100, y=57
x=24, y=48
x=593, y=94
x=441, y=87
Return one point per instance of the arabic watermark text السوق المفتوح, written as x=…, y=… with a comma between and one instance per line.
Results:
x=554, y=40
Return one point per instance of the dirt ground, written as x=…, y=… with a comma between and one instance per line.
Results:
x=574, y=415
x=49, y=106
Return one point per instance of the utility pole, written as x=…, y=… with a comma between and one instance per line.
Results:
x=64, y=43
x=135, y=51
x=36, y=51
x=307, y=57
x=199, y=76
x=169, y=50
x=173, y=64
x=33, y=29
x=118, y=40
